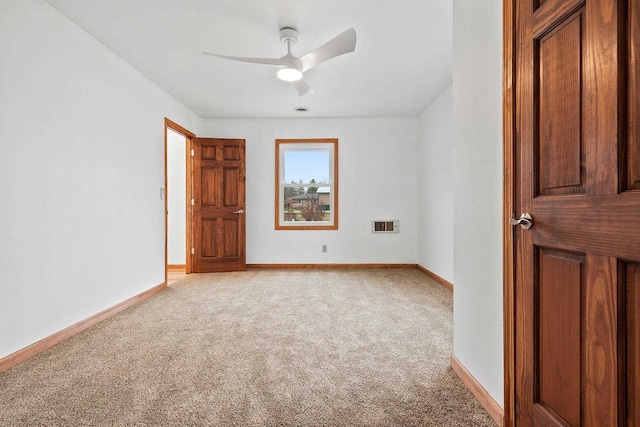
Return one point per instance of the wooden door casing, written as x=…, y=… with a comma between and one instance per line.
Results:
x=218, y=205
x=575, y=316
x=169, y=124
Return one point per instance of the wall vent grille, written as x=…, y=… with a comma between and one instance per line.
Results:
x=387, y=226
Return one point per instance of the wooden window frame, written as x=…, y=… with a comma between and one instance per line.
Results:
x=306, y=225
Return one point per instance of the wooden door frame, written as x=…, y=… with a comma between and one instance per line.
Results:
x=168, y=124
x=508, y=208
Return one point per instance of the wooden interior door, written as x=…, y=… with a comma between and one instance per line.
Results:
x=577, y=172
x=218, y=205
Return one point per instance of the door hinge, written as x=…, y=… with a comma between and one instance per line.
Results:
x=193, y=251
x=193, y=152
x=193, y=202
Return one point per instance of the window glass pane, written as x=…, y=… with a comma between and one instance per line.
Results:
x=306, y=166
x=307, y=204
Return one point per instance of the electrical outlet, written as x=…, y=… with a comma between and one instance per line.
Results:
x=324, y=249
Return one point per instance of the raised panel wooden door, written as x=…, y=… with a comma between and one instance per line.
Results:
x=577, y=270
x=218, y=205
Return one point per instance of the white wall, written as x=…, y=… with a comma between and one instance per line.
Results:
x=176, y=198
x=435, y=186
x=477, y=205
x=377, y=170
x=81, y=167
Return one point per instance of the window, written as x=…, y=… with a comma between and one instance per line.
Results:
x=306, y=184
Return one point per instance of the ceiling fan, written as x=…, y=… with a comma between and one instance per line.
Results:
x=291, y=67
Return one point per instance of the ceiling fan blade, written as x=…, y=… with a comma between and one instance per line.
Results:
x=343, y=43
x=302, y=87
x=265, y=61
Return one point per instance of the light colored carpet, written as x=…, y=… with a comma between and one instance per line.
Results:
x=257, y=348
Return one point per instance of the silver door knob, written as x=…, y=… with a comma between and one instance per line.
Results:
x=525, y=221
x=239, y=212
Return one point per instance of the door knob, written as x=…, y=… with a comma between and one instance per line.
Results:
x=239, y=212
x=525, y=221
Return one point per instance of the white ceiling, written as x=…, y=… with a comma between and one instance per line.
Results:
x=401, y=62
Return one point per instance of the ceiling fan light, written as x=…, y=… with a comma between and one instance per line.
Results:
x=289, y=74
